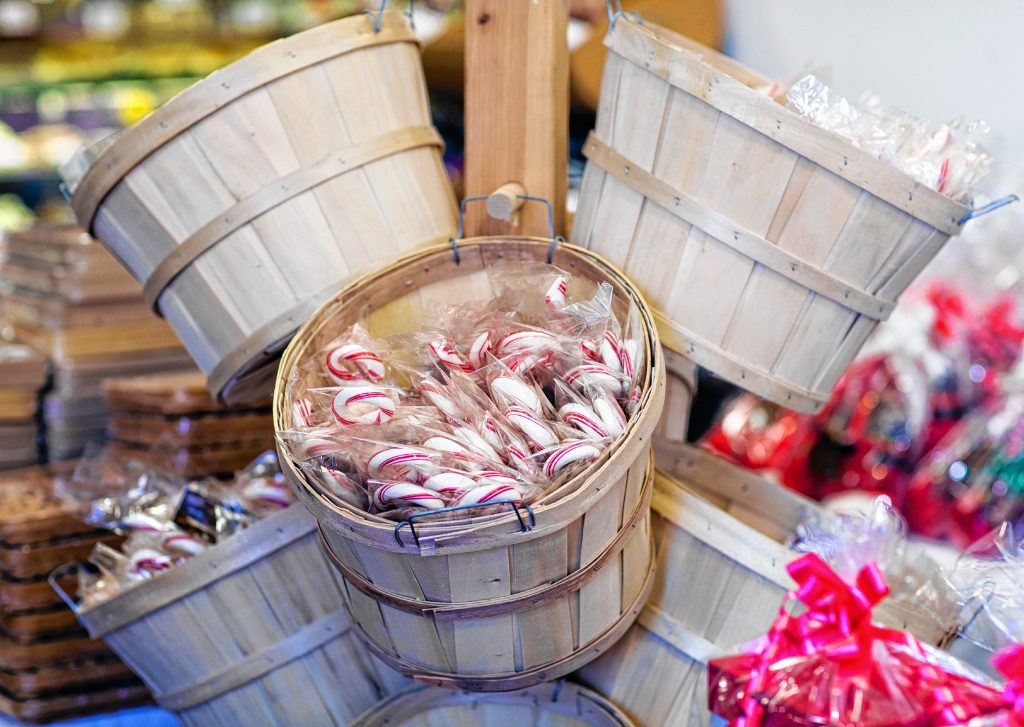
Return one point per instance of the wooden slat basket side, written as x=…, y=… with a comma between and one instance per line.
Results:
x=762, y=210
x=253, y=196
x=680, y=388
x=254, y=626
x=559, y=703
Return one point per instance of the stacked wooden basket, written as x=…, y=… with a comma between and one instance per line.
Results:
x=22, y=375
x=248, y=205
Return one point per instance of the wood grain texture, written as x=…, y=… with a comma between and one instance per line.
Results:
x=517, y=109
x=758, y=209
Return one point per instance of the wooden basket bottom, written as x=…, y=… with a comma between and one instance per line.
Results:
x=732, y=369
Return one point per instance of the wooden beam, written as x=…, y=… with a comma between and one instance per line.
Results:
x=517, y=109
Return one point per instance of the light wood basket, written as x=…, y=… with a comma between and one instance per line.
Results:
x=680, y=387
x=251, y=197
x=790, y=244
x=720, y=533
x=477, y=603
x=558, y=704
x=255, y=626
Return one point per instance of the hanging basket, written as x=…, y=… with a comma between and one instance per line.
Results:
x=502, y=601
x=251, y=197
x=770, y=247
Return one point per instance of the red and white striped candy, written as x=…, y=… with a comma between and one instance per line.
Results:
x=268, y=492
x=476, y=443
x=610, y=413
x=436, y=395
x=445, y=352
x=362, y=405
x=450, y=485
x=525, y=362
x=367, y=365
x=568, y=454
x=342, y=486
x=517, y=392
x=584, y=419
x=491, y=433
x=398, y=461
x=634, y=399
x=302, y=412
x=591, y=350
x=479, y=349
x=405, y=493
x=495, y=477
x=311, y=446
x=146, y=560
x=447, y=445
x=489, y=495
x=597, y=374
x=143, y=523
x=526, y=340
x=556, y=293
x=628, y=353
x=537, y=432
x=182, y=543
x=610, y=352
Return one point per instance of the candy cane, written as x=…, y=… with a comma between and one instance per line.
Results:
x=590, y=349
x=479, y=350
x=491, y=433
x=405, y=461
x=489, y=495
x=311, y=446
x=495, y=477
x=445, y=352
x=375, y=406
x=446, y=445
x=368, y=365
x=525, y=362
x=142, y=523
x=268, y=490
x=611, y=415
x=526, y=340
x=450, y=485
x=518, y=392
x=538, y=433
x=406, y=494
x=610, y=352
x=146, y=560
x=433, y=393
x=302, y=412
x=182, y=543
x=584, y=419
x=476, y=443
x=569, y=454
x=596, y=374
x=342, y=486
x=555, y=296
x=628, y=355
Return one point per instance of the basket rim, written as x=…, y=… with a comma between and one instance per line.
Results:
x=820, y=146
x=223, y=87
x=380, y=532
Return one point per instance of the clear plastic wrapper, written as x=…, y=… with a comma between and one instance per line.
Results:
x=947, y=158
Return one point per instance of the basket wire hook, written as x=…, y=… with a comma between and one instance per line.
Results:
x=555, y=239
x=377, y=16
x=985, y=209
x=525, y=524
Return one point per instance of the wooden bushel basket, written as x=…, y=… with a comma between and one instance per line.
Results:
x=255, y=626
x=559, y=704
x=248, y=199
x=476, y=603
x=789, y=244
x=721, y=579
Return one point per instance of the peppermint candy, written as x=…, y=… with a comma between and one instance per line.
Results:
x=351, y=363
x=612, y=418
x=495, y=477
x=628, y=356
x=268, y=492
x=403, y=462
x=435, y=394
x=517, y=392
x=446, y=445
x=569, y=454
x=450, y=485
x=476, y=443
x=596, y=375
x=405, y=493
x=490, y=495
x=555, y=295
x=181, y=543
x=584, y=419
x=146, y=561
x=539, y=435
x=526, y=340
x=479, y=350
x=445, y=352
x=362, y=405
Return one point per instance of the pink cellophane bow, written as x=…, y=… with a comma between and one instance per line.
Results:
x=830, y=665
x=1010, y=663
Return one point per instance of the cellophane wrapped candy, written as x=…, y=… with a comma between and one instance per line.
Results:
x=831, y=665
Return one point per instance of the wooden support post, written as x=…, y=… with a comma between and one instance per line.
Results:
x=517, y=109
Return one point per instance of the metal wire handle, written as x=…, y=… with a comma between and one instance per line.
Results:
x=378, y=16
x=555, y=239
x=525, y=525
x=615, y=12
x=54, y=580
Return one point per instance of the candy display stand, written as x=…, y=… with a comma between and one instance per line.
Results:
x=680, y=386
x=248, y=199
x=559, y=703
x=254, y=626
x=499, y=601
x=791, y=243
x=720, y=532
